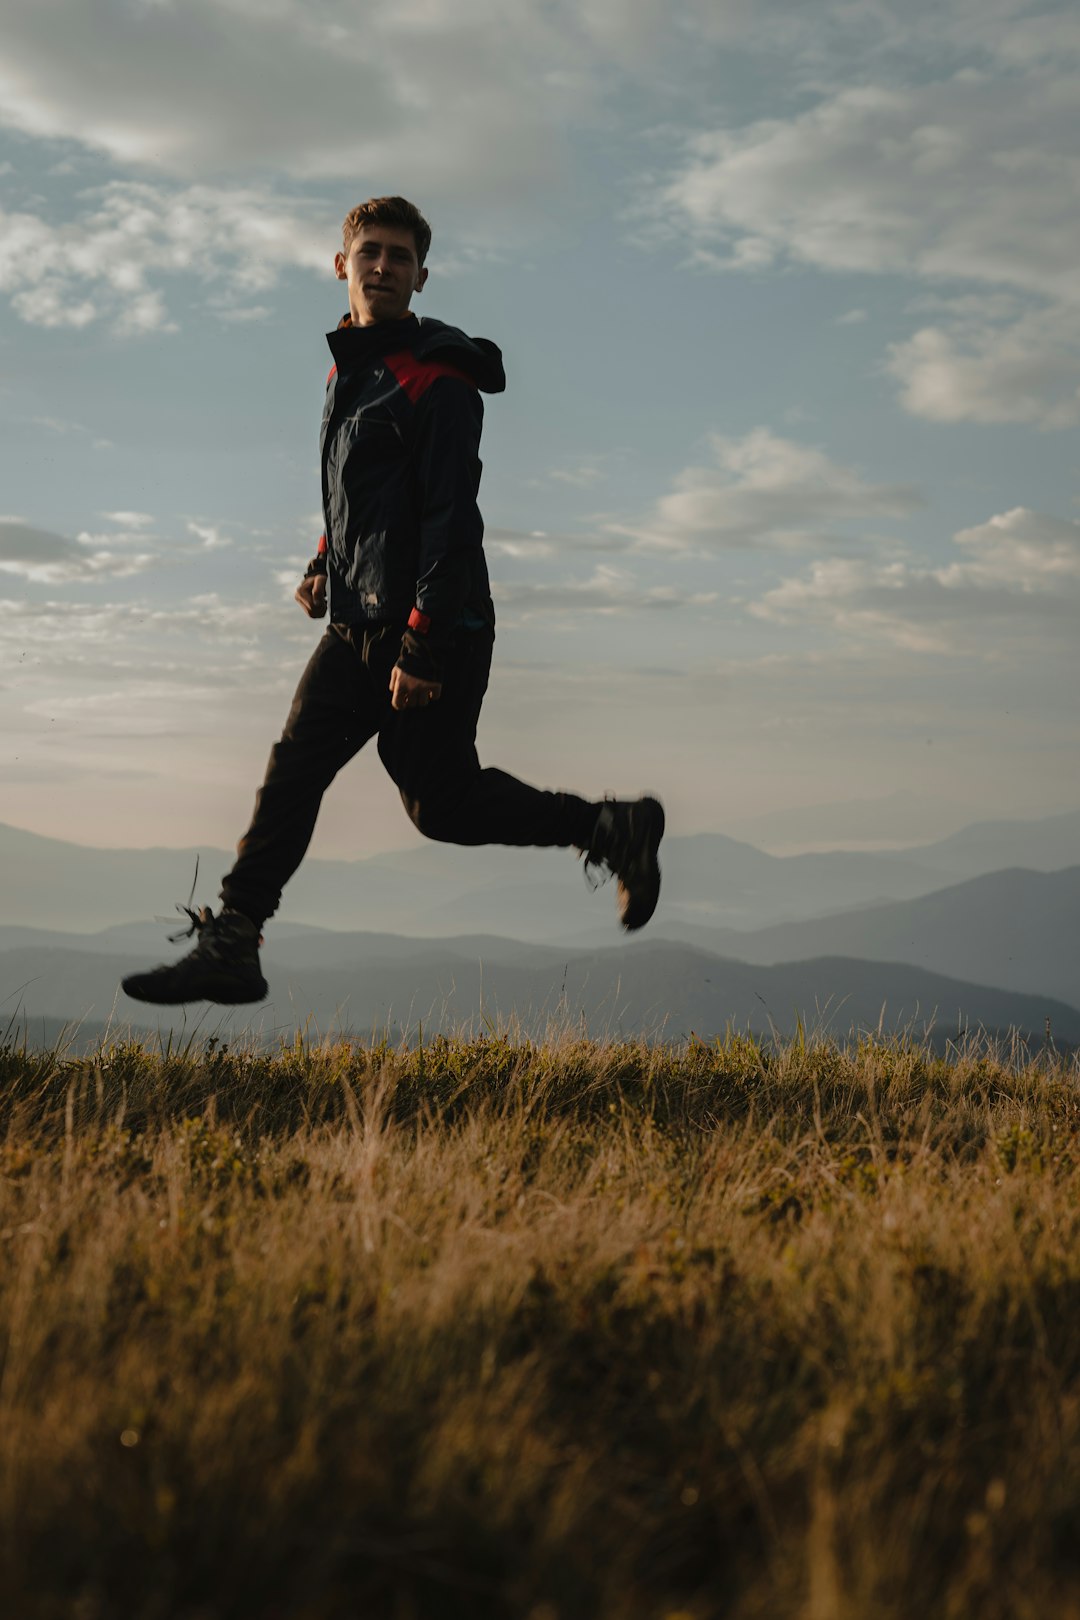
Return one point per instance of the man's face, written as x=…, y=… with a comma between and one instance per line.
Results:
x=382, y=272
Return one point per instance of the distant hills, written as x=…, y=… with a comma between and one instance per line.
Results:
x=839, y=941
x=437, y=890
x=1017, y=930
x=367, y=983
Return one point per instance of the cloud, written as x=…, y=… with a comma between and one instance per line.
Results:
x=462, y=102
x=960, y=180
x=46, y=558
x=534, y=544
x=211, y=536
x=130, y=520
x=212, y=87
x=531, y=545
x=609, y=591
x=100, y=264
x=1011, y=31
x=763, y=491
x=579, y=477
x=78, y=647
x=856, y=599
x=1019, y=573
x=987, y=369
x=1023, y=551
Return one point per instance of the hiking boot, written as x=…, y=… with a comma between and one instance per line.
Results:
x=625, y=841
x=223, y=966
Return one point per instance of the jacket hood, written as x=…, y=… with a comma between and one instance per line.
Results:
x=427, y=339
x=481, y=358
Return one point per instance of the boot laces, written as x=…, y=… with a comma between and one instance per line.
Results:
x=200, y=919
x=219, y=936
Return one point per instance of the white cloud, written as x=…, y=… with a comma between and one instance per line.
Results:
x=465, y=100
x=1019, y=579
x=962, y=178
x=130, y=520
x=534, y=544
x=101, y=263
x=1013, y=31
x=580, y=477
x=970, y=179
x=333, y=92
x=763, y=491
x=855, y=599
x=982, y=369
x=213, y=616
x=77, y=647
x=609, y=591
x=517, y=543
x=1024, y=551
x=211, y=537
x=45, y=558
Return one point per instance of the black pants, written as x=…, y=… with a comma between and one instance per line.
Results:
x=342, y=701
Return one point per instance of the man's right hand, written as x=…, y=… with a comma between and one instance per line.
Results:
x=311, y=595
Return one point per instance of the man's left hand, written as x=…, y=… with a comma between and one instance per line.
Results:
x=410, y=692
x=311, y=595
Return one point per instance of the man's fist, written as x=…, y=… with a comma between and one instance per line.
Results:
x=311, y=595
x=410, y=692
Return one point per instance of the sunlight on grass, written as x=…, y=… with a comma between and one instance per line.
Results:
x=493, y=1327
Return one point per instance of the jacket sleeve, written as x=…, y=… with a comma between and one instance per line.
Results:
x=450, y=418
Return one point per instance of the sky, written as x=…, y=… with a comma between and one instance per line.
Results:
x=781, y=500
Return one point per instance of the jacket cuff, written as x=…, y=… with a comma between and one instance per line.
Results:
x=421, y=657
x=420, y=622
x=317, y=565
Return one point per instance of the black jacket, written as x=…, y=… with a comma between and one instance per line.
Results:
x=400, y=471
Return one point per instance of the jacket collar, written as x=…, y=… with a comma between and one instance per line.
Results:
x=353, y=345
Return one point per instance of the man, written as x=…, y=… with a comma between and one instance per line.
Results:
x=407, y=652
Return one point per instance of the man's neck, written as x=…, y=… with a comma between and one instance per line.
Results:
x=396, y=320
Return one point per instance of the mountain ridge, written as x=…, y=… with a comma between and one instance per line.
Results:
x=1014, y=929
x=434, y=890
x=667, y=988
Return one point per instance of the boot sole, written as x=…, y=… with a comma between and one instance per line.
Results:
x=162, y=996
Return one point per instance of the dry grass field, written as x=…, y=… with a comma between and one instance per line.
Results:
x=495, y=1329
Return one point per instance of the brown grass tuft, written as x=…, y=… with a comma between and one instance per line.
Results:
x=490, y=1328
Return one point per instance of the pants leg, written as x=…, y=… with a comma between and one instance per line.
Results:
x=334, y=713
x=430, y=754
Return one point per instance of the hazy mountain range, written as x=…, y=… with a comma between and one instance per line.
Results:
x=1000, y=949
x=436, y=890
x=1019, y=930
x=374, y=983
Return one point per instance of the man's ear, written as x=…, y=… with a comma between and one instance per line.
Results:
x=339, y=267
x=421, y=277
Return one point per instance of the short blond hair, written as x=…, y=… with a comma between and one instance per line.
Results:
x=388, y=211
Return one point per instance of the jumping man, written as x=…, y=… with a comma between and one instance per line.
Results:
x=406, y=655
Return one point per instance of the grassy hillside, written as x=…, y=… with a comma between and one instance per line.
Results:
x=495, y=1329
